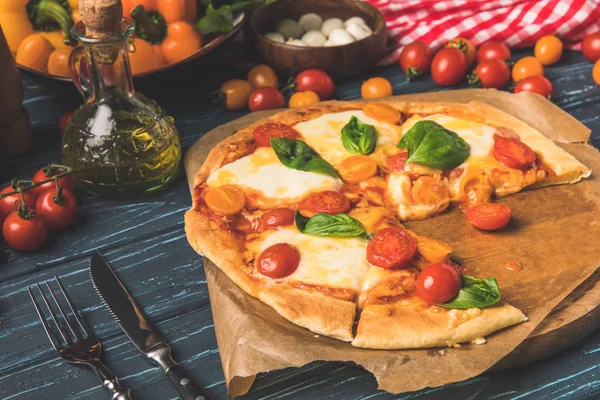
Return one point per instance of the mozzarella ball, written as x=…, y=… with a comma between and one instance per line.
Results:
x=331, y=24
x=340, y=37
x=311, y=22
x=328, y=43
x=296, y=42
x=274, y=36
x=355, y=20
x=288, y=28
x=314, y=38
x=359, y=31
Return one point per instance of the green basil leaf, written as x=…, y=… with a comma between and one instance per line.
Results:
x=431, y=144
x=298, y=155
x=322, y=224
x=475, y=293
x=359, y=138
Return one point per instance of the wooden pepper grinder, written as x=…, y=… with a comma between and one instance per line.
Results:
x=15, y=127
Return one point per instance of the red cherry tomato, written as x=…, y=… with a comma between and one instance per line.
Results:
x=491, y=74
x=56, y=213
x=535, y=84
x=317, y=81
x=278, y=260
x=265, y=98
x=438, y=283
x=327, y=201
x=590, y=47
x=391, y=248
x=493, y=50
x=64, y=120
x=448, y=67
x=488, y=216
x=277, y=217
x=513, y=153
x=264, y=133
x=11, y=203
x=415, y=59
x=66, y=182
x=24, y=234
x=396, y=162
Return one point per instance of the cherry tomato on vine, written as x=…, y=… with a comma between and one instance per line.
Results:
x=438, y=283
x=415, y=59
x=24, y=233
x=66, y=182
x=493, y=50
x=263, y=76
x=265, y=98
x=300, y=99
x=548, y=50
x=448, y=67
x=590, y=47
x=491, y=74
x=466, y=47
x=526, y=67
x=11, y=203
x=236, y=93
x=535, y=84
x=375, y=88
x=56, y=211
x=488, y=216
x=64, y=120
x=316, y=81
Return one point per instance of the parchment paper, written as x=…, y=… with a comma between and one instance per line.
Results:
x=553, y=234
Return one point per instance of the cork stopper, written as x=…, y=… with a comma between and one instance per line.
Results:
x=102, y=18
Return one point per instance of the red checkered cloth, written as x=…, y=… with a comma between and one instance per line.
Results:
x=518, y=23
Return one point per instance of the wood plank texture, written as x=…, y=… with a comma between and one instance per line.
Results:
x=144, y=239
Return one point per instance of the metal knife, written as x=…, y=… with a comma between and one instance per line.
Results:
x=135, y=325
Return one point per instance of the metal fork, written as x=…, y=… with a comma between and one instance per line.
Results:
x=79, y=348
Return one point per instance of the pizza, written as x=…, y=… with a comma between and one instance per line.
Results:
x=304, y=209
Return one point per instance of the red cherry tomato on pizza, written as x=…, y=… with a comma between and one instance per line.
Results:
x=513, y=153
x=438, y=283
x=488, y=216
x=396, y=162
x=327, y=201
x=265, y=98
x=590, y=47
x=278, y=260
x=491, y=74
x=415, y=59
x=535, y=84
x=11, y=203
x=493, y=50
x=264, y=133
x=391, y=248
x=448, y=67
x=466, y=47
x=316, y=81
x=66, y=182
x=64, y=120
x=277, y=217
x=56, y=212
x=24, y=234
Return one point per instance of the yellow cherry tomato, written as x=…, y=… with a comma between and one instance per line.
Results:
x=429, y=191
x=382, y=112
x=433, y=250
x=263, y=76
x=466, y=47
x=34, y=52
x=548, y=50
x=375, y=88
x=300, y=99
x=526, y=67
x=236, y=93
x=356, y=169
x=226, y=200
x=596, y=73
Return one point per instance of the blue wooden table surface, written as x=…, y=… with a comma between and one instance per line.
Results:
x=145, y=241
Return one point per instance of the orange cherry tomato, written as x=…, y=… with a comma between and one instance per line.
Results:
x=181, y=41
x=327, y=201
x=382, y=112
x=513, y=153
x=433, y=250
x=466, y=47
x=396, y=162
x=356, y=169
x=300, y=99
x=34, y=52
x=428, y=190
x=438, y=283
x=375, y=88
x=596, y=73
x=264, y=133
x=58, y=62
x=226, y=200
x=263, y=76
x=277, y=217
x=236, y=93
x=526, y=67
x=488, y=216
x=143, y=58
x=548, y=49
x=278, y=261
x=391, y=248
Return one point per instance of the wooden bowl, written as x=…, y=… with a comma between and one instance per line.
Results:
x=338, y=60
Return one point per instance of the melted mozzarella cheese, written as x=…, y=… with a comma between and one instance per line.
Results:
x=263, y=172
x=324, y=134
x=376, y=275
x=326, y=261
